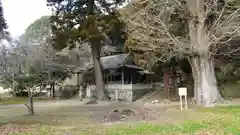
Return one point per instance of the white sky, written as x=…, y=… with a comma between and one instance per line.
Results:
x=19, y=14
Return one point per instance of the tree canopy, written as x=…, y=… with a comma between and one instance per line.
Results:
x=37, y=31
x=94, y=22
x=3, y=25
x=73, y=21
x=191, y=29
x=163, y=28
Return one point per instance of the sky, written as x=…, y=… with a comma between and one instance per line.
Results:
x=19, y=14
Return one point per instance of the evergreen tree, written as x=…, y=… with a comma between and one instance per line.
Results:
x=3, y=24
x=91, y=21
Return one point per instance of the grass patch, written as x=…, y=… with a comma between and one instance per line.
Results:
x=219, y=121
x=148, y=128
x=234, y=109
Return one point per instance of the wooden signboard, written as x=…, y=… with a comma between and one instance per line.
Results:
x=182, y=92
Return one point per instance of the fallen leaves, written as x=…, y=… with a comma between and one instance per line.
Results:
x=10, y=129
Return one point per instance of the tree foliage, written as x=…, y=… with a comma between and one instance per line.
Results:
x=163, y=29
x=4, y=34
x=87, y=21
x=3, y=24
x=30, y=80
x=73, y=21
x=24, y=59
x=192, y=29
x=37, y=31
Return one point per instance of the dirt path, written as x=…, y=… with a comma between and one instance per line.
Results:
x=75, y=112
x=62, y=106
x=55, y=103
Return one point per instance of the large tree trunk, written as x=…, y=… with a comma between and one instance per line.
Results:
x=206, y=90
x=29, y=103
x=30, y=106
x=80, y=85
x=101, y=91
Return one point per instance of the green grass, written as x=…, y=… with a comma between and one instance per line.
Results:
x=148, y=128
x=203, y=121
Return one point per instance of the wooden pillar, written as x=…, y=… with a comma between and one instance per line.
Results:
x=80, y=92
x=166, y=77
x=131, y=80
x=52, y=85
x=111, y=77
x=114, y=77
x=78, y=79
x=122, y=78
x=50, y=81
x=174, y=81
x=53, y=89
x=106, y=76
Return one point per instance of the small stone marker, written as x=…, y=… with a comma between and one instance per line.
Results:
x=183, y=92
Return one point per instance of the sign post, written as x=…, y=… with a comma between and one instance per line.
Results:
x=183, y=92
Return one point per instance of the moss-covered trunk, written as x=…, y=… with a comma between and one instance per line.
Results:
x=206, y=90
x=29, y=103
x=102, y=94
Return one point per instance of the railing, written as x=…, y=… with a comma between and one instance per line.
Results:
x=118, y=86
x=124, y=86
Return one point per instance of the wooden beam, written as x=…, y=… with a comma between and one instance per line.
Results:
x=122, y=78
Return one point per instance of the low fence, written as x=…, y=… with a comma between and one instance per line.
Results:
x=127, y=92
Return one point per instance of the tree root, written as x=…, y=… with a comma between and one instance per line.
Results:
x=91, y=102
x=220, y=102
x=225, y=101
